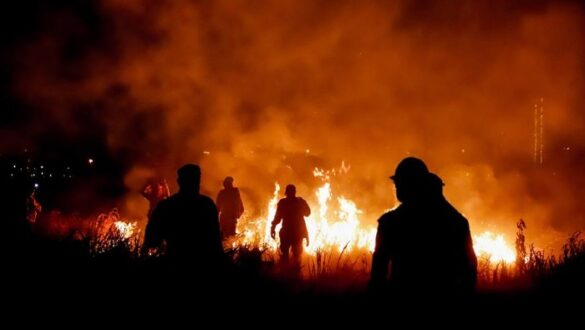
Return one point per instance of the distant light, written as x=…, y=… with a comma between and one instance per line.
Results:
x=205, y=152
x=90, y=161
x=14, y=166
x=42, y=167
x=307, y=151
x=36, y=185
x=462, y=151
x=567, y=148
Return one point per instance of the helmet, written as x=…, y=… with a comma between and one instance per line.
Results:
x=410, y=168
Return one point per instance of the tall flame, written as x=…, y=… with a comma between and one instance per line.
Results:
x=256, y=232
x=340, y=230
x=330, y=228
x=494, y=247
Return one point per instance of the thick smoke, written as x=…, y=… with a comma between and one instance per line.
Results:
x=267, y=90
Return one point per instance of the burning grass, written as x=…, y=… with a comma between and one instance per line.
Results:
x=108, y=262
x=340, y=251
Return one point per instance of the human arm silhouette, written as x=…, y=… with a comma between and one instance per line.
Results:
x=381, y=256
x=305, y=209
x=468, y=263
x=240, y=204
x=277, y=219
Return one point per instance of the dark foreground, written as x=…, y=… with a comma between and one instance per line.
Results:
x=63, y=281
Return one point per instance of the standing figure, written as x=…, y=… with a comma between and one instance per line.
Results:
x=291, y=211
x=230, y=207
x=425, y=240
x=187, y=222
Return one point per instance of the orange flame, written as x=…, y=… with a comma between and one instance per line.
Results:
x=334, y=225
x=329, y=228
x=494, y=247
x=125, y=229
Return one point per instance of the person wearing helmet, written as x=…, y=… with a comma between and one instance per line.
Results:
x=230, y=207
x=291, y=211
x=425, y=240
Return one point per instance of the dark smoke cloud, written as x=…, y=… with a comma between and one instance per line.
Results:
x=267, y=90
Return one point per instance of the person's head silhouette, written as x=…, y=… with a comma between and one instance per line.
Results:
x=290, y=191
x=189, y=178
x=409, y=179
x=228, y=182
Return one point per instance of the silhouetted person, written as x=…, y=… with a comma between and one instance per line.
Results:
x=230, y=207
x=188, y=223
x=425, y=240
x=291, y=211
x=155, y=190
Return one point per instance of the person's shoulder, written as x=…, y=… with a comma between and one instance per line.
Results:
x=461, y=220
x=302, y=202
x=206, y=199
x=390, y=216
x=167, y=202
x=455, y=215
